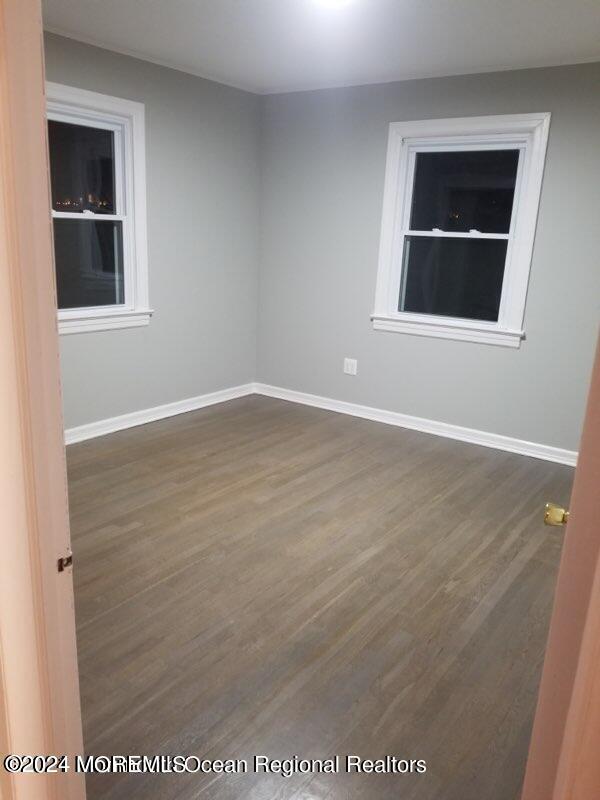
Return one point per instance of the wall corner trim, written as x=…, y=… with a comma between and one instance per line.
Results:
x=446, y=429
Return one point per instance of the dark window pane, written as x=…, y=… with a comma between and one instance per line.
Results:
x=460, y=191
x=89, y=262
x=453, y=277
x=82, y=168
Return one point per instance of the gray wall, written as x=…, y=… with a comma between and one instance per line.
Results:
x=202, y=154
x=273, y=205
x=323, y=162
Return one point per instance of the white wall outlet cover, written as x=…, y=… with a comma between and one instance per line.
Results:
x=350, y=366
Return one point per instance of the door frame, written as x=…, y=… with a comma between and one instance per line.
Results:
x=563, y=757
x=39, y=682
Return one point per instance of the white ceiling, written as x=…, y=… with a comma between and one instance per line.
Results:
x=285, y=45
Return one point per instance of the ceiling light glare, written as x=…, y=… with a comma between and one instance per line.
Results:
x=332, y=3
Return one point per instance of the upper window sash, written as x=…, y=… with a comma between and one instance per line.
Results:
x=527, y=133
x=413, y=149
x=119, y=138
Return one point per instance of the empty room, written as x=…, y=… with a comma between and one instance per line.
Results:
x=301, y=415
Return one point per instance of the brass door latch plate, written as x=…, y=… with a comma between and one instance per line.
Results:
x=555, y=515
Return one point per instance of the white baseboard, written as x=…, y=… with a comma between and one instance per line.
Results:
x=494, y=440
x=104, y=426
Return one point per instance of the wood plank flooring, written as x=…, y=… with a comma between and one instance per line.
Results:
x=261, y=577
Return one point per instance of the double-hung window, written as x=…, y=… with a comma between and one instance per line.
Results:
x=97, y=176
x=460, y=208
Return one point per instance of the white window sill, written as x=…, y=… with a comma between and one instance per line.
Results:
x=82, y=322
x=459, y=330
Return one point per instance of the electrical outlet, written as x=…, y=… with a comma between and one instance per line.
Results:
x=350, y=366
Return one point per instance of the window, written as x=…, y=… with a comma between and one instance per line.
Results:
x=460, y=208
x=97, y=176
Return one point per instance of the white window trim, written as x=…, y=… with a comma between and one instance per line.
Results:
x=70, y=104
x=529, y=133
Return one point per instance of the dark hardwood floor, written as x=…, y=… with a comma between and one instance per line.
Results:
x=260, y=577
